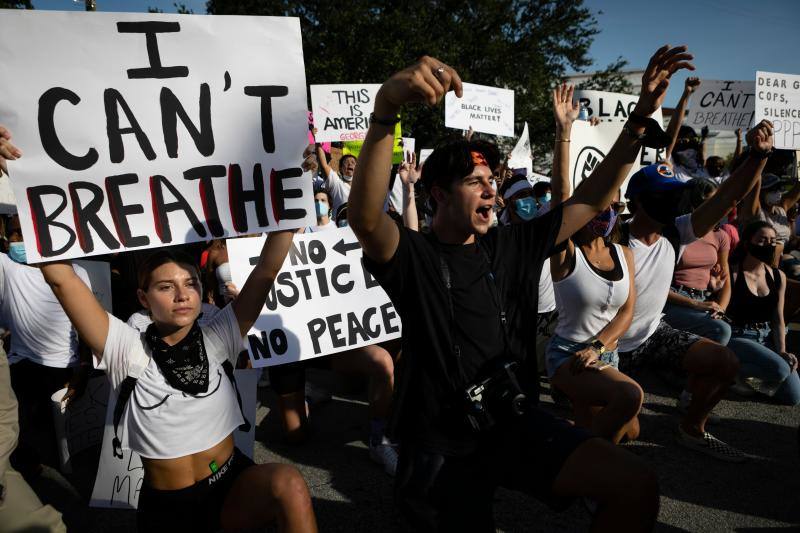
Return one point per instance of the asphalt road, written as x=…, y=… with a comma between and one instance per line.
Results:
x=351, y=494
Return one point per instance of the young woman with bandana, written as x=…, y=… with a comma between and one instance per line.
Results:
x=756, y=309
x=178, y=401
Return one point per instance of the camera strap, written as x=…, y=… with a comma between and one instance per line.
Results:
x=447, y=279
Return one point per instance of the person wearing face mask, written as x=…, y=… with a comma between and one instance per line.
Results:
x=595, y=295
x=686, y=150
x=322, y=204
x=338, y=184
x=542, y=192
x=43, y=355
x=756, y=310
x=655, y=235
x=701, y=284
x=769, y=204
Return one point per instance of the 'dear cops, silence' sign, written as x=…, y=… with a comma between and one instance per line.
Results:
x=323, y=301
x=341, y=112
x=590, y=144
x=778, y=100
x=143, y=130
x=722, y=105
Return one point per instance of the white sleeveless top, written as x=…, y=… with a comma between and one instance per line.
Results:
x=587, y=302
x=161, y=422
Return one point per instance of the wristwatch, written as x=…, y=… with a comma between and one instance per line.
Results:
x=598, y=346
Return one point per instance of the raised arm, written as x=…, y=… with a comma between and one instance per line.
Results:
x=738, y=150
x=598, y=190
x=248, y=304
x=742, y=181
x=791, y=197
x=409, y=175
x=427, y=81
x=565, y=112
x=88, y=317
x=675, y=124
x=322, y=161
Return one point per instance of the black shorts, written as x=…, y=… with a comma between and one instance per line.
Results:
x=443, y=493
x=193, y=509
x=664, y=350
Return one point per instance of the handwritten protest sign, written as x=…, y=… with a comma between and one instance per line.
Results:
x=409, y=145
x=341, y=112
x=521, y=155
x=79, y=424
x=119, y=481
x=484, y=109
x=424, y=154
x=323, y=301
x=590, y=144
x=354, y=147
x=158, y=129
x=722, y=105
x=778, y=100
x=610, y=107
x=8, y=202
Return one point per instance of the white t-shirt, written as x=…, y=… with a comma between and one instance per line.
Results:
x=40, y=329
x=161, y=422
x=654, y=268
x=338, y=189
x=325, y=227
x=547, y=295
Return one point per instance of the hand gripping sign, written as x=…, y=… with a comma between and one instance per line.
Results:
x=323, y=300
x=144, y=130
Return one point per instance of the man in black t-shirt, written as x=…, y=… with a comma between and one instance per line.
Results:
x=458, y=292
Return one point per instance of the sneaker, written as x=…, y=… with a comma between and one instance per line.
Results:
x=384, y=454
x=710, y=445
x=683, y=406
x=741, y=388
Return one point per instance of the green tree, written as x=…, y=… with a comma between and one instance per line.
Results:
x=524, y=45
x=181, y=9
x=16, y=4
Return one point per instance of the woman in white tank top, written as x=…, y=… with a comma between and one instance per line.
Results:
x=595, y=295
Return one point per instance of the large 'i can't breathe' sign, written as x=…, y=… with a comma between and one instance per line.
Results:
x=145, y=130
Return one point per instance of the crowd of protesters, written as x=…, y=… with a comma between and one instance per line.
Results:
x=693, y=269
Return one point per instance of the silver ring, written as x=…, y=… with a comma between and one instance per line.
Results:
x=439, y=71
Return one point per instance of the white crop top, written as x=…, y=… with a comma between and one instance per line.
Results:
x=161, y=422
x=587, y=302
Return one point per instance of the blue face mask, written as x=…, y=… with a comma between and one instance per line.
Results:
x=525, y=208
x=322, y=208
x=546, y=198
x=16, y=251
x=342, y=223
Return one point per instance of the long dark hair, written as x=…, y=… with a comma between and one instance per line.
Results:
x=749, y=230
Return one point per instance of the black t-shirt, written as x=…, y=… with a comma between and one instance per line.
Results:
x=428, y=402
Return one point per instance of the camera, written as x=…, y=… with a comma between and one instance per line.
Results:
x=495, y=398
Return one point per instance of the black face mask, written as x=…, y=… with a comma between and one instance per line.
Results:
x=764, y=253
x=184, y=365
x=663, y=208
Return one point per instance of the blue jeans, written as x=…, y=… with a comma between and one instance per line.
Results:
x=697, y=322
x=560, y=349
x=762, y=368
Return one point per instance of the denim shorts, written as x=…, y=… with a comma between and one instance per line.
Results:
x=560, y=349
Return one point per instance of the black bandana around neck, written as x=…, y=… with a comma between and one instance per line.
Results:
x=184, y=365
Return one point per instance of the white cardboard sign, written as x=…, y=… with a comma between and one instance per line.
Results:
x=119, y=481
x=323, y=300
x=521, y=155
x=341, y=112
x=722, y=105
x=8, y=202
x=157, y=129
x=409, y=146
x=484, y=109
x=424, y=154
x=778, y=100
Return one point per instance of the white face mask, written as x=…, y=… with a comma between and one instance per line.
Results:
x=773, y=197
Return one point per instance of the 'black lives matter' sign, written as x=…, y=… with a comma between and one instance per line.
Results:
x=145, y=130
